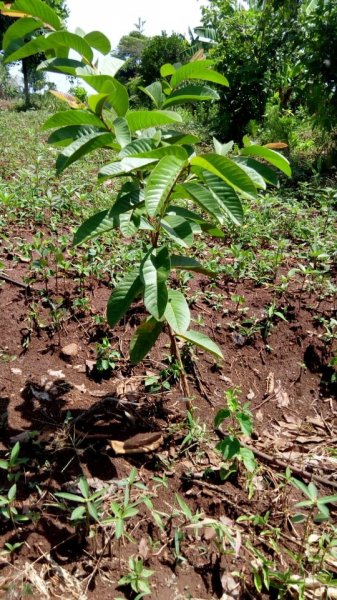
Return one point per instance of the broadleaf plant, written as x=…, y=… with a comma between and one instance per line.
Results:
x=168, y=193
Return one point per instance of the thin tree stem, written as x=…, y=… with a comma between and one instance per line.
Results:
x=183, y=377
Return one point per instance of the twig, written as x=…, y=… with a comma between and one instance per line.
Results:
x=183, y=377
x=20, y=284
x=281, y=463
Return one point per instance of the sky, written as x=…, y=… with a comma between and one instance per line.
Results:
x=116, y=19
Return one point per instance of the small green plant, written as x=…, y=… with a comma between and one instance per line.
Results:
x=137, y=578
x=106, y=356
x=196, y=432
x=13, y=463
x=8, y=509
x=89, y=505
x=9, y=549
x=316, y=505
x=272, y=313
x=239, y=421
x=171, y=195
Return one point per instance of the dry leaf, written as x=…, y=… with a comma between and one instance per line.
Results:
x=138, y=444
x=276, y=145
x=230, y=587
x=127, y=386
x=143, y=548
x=71, y=100
x=281, y=397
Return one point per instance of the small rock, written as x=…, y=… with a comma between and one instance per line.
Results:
x=16, y=371
x=70, y=351
x=81, y=388
x=250, y=395
x=90, y=366
x=56, y=374
x=79, y=368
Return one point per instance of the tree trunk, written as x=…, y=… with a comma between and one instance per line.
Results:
x=25, y=83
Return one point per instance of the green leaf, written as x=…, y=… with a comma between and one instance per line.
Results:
x=122, y=297
x=84, y=487
x=92, y=510
x=212, y=230
x=203, y=341
x=115, y=92
x=155, y=92
x=39, y=9
x=129, y=224
x=122, y=132
x=143, y=119
x=161, y=183
x=68, y=496
x=180, y=230
x=72, y=117
x=144, y=338
x=123, y=167
x=81, y=147
x=96, y=225
x=328, y=500
x=38, y=44
x=274, y=158
x=204, y=198
x=245, y=423
x=70, y=41
x=199, y=69
x=167, y=70
x=222, y=149
x=191, y=93
x=63, y=65
x=177, y=312
x=99, y=41
x=176, y=137
x=137, y=147
x=158, y=153
x=226, y=196
x=266, y=172
x=229, y=447
x=188, y=263
x=154, y=272
x=66, y=135
x=301, y=486
x=227, y=170
x=110, y=65
x=221, y=415
x=248, y=459
x=78, y=513
x=127, y=199
x=18, y=30
x=253, y=174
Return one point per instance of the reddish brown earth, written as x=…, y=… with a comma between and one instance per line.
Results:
x=35, y=398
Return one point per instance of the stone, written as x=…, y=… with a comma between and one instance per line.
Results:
x=70, y=351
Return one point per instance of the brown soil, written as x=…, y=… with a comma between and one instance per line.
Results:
x=40, y=389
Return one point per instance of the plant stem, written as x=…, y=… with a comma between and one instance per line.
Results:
x=184, y=382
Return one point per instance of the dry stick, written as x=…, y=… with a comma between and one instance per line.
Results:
x=281, y=463
x=18, y=283
x=184, y=382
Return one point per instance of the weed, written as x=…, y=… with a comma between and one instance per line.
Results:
x=137, y=578
x=239, y=421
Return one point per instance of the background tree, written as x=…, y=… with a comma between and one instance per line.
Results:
x=280, y=49
x=33, y=79
x=159, y=50
x=130, y=48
